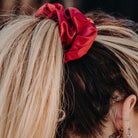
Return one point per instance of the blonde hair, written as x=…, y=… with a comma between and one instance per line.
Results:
x=125, y=48
x=117, y=36
x=31, y=72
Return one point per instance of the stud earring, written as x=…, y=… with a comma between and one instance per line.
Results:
x=129, y=133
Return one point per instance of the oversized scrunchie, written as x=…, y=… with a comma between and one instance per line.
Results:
x=76, y=31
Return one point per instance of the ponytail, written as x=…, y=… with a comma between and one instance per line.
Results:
x=31, y=69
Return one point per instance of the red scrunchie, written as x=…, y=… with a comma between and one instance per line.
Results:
x=76, y=31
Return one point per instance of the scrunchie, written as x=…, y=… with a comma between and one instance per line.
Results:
x=76, y=31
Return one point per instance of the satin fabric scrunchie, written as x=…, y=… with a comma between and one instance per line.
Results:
x=76, y=31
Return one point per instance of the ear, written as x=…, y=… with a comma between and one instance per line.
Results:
x=127, y=113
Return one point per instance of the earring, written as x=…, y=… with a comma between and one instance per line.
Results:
x=129, y=133
x=120, y=134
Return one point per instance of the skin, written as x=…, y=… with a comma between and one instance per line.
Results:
x=129, y=112
x=125, y=119
x=122, y=117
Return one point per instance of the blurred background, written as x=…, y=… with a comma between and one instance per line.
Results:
x=122, y=8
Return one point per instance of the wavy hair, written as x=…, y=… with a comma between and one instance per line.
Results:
x=41, y=97
x=107, y=74
x=31, y=72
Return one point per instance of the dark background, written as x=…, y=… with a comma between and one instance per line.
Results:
x=123, y=8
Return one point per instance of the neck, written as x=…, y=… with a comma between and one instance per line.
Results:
x=109, y=130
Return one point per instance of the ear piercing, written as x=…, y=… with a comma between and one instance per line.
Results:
x=124, y=119
x=120, y=134
x=129, y=133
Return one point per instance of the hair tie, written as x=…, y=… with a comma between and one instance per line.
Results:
x=76, y=31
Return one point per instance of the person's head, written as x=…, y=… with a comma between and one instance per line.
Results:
x=93, y=96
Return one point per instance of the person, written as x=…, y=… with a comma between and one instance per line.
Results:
x=66, y=75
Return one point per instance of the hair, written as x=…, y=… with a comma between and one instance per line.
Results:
x=42, y=97
x=30, y=78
